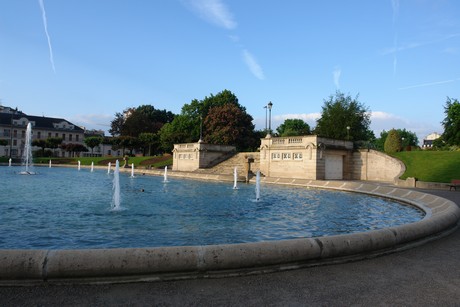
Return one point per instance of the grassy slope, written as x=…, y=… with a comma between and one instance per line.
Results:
x=431, y=166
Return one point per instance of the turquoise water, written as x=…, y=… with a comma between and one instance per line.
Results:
x=63, y=208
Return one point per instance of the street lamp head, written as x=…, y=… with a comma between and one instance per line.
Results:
x=270, y=104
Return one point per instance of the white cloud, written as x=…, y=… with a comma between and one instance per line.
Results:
x=213, y=11
x=386, y=121
x=254, y=67
x=379, y=121
x=304, y=116
x=92, y=121
x=336, y=74
x=234, y=38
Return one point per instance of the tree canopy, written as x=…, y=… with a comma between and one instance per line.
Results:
x=143, y=119
x=344, y=118
x=408, y=138
x=293, y=127
x=220, y=118
x=229, y=125
x=93, y=141
x=451, y=122
x=392, y=142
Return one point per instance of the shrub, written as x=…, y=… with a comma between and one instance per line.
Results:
x=392, y=142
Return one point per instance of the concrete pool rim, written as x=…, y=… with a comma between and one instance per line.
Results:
x=183, y=262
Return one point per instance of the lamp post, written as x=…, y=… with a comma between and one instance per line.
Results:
x=265, y=107
x=201, y=130
x=11, y=130
x=269, y=106
x=348, y=133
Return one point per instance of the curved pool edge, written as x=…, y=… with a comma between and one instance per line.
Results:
x=183, y=262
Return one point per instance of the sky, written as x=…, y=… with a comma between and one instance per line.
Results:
x=85, y=60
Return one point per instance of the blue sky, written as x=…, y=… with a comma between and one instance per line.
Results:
x=85, y=60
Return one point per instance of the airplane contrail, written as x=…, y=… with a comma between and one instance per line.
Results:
x=429, y=84
x=45, y=24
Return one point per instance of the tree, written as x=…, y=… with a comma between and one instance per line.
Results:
x=40, y=143
x=74, y=148
x=116, y=126
x=187, y=126
x=199, y=108
x=147, y=140
x=53, y=143
x=451, y=122
x=134, y=121
x=145, y=118
x=229, y=125
x=344, y=118
x=92, y=142
x=182, y=129
x=293, y=127
x=408, y=138
x=393, y=142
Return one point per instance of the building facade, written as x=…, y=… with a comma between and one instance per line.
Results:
x=306, y=157
x=192, y=156
x=13, y=126
x=428, y=140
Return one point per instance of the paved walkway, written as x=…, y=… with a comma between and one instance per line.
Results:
x=427, y=275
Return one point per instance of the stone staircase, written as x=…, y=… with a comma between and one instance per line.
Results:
x=239, y=160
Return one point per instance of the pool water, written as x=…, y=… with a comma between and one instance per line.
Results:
x=63, y=208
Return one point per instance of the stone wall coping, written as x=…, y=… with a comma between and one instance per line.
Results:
x=179, y=262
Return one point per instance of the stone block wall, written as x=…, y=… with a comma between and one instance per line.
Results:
x=375, y=166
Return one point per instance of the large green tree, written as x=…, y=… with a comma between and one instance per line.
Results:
x=451, y=122
x=293, y=127
x=148, y=140
x=344, y=118
x=143, y=119
x=193, y=122
x=229, y=125
x=182, y=129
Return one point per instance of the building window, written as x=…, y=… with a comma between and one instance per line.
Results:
x=6, y=132
x=276, y=156
x=286, y=156
x=77, y=138
x=70, y=137
x=23, y=134
x=49, y=134
x=297, y=156
x=39, y=135
x=63, y=136
x=15, y=133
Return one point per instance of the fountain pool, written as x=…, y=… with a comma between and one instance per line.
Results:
x=62, y=208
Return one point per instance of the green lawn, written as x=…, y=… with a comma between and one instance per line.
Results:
x=431, y=166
